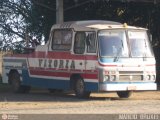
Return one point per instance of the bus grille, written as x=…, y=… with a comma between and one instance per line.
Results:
x=130, y=78
x=125, y=76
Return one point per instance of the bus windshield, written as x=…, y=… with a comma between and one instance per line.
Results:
x=113, y=43
x=139, y=44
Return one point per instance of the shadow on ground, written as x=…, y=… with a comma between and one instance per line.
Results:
x=43, y=95
x=40, y=95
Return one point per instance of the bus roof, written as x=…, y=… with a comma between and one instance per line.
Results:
x=93, y=24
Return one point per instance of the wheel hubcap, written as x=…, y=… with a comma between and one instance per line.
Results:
x=80, y=86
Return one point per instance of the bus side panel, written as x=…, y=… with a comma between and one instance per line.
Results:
x=91, y=81
x=55, y=83
x=11, y=63
x=44, y=82
x=91, y=86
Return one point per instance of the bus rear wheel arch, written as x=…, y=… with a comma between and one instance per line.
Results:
x=15, y=82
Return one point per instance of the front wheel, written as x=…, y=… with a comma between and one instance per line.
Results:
x=124, y=94
x=80, y=89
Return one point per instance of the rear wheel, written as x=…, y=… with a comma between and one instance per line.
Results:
x=80, y=89
x=124, y=94
x=14, y=78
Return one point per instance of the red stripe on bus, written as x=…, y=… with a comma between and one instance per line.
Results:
x=61, y=74
x=55, y=55
x=61, y=55
x=64, y=70
x=49, y=73
x=106, y=65
x=150, y=65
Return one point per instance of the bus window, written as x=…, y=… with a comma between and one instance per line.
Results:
x=113, y=43
x=91, y=42
x=79, y=45
x=62, y=40
x=139, y=44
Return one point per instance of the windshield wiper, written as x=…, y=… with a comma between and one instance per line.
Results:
x=144, y=54
x=118, y=53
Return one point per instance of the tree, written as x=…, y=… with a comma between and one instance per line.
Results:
x=18, y=19
x=32, y=19
x=12, y=25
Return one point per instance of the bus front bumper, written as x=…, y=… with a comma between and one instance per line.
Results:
x=127, y=86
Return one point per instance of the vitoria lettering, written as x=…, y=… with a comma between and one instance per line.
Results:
x=54, y=63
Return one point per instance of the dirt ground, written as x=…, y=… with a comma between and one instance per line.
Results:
x=43, y=102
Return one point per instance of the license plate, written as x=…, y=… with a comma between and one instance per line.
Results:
x=131, y=88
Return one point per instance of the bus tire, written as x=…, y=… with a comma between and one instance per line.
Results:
x=124, y=94
x=79, y=89
x=14, y=78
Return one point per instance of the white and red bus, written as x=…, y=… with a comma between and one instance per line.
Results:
x=86, y=56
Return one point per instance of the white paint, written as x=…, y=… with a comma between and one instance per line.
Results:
x=79, y=64
x=124, y=87
x=102, y=26
x=13, y=64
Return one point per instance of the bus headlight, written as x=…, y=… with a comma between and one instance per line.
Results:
x=152, y=77
x=148, y=77
x=106, y=78
x=109, y=78
x=112, y=78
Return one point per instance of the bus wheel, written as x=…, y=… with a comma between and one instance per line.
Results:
x=16, y=83
x=80, y=89
x=124, y=94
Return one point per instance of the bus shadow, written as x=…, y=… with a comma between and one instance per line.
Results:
x=45, y=96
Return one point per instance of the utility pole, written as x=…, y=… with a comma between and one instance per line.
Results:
x=59, y=11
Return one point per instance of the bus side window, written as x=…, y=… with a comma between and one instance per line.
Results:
x=91, y=42
x=62, y=40
x=79, y=44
